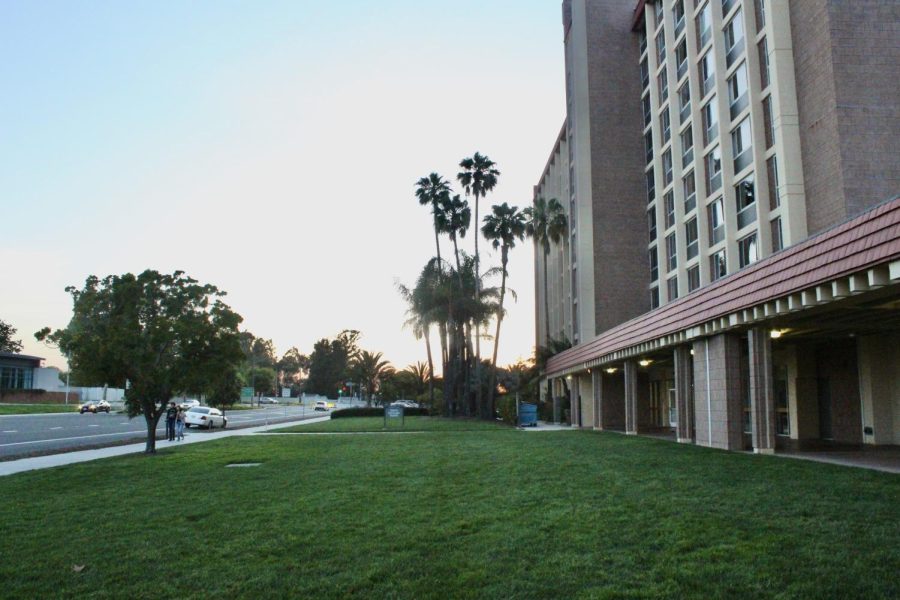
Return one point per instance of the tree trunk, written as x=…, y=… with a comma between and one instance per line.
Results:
x=490, y=404
x=152, y=420
x=430, y=366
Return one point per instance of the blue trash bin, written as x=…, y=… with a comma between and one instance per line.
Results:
x=527, y=415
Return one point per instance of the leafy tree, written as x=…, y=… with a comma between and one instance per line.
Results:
x=453, y=218
x=161, y=333
x=7, y=343
x=419, y=375
x=225, y=390
x=502, y=227
x=258, y=352
x=329, y=363
x=291, y=367
x=261, y=379
x=546, y=223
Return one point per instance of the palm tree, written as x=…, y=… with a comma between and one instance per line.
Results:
x=426, y=308
x=430, y=191
x=453, y=219
x=503, y=227
x=420, y=373
x=546, y=223
x=370, y=368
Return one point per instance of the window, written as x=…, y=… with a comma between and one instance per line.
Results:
x=16, y=378
x=645, y=74
x=645, y=106
x=713, y=162
x=746, y=202
x=671, y=253
x=727, y=5
x=704, y=25
x=654, y=264
x=747, y=253
x=734, y=38
x=672, y=288
x=717, y=266
x=665, y=125
x=687, y=147
x=710, y=122
x=763, y=49
x=760, y=10
x=684, y=101
x=651, y=223
x=742, y=146
x=648, y=145
x=737, y=90
x=693, y=277
x=667, y=167
x=654, y=297
x=658, y=14
x=777, y=236
x=690, y=192
x=691, y=237
x=669, y=204
x=767, y=121
x=661, y=48
x=678, y=16
x=642, y=42
x=716, y=212
x=651, y=186
x=681, y=59
x=662, y=81
x=772, y=172
x=708, y=71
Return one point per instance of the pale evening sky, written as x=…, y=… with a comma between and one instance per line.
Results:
x=269, y=148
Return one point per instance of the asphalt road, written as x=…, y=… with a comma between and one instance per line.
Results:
x=22, y=435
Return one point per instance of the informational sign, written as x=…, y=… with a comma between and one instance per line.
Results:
x=285, y=392
x=393, y=413
x=246, y=392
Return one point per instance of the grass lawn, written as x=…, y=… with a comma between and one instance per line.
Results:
x=36, y=409
x=490, y=514
x=357, y=424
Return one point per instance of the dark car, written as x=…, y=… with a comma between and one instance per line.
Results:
x=94, y=406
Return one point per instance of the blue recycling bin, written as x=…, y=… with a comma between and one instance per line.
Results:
x=527, y=415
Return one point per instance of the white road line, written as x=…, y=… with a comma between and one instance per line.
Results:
x=52, y=428
x=93, y=426
x=81, y=437
x=12, y=431
x=124, y=423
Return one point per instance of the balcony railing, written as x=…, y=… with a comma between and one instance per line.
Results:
x=743, y=160
x=685, y=112
x=709, y=84
x=727, y=5
x=746, y=216
x=735, y=53
x=686, y=157
x=738, y=105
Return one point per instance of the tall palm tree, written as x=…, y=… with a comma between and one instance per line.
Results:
x=454, y=219
x=420, y=373
x=546, y=223
x=371, y=368
x=430, y=191
x=503, y=227
x=427, y=307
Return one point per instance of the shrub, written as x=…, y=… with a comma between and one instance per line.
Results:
x=374, y=411
x=506, y=406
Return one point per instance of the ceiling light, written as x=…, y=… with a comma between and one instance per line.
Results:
x=645, y=362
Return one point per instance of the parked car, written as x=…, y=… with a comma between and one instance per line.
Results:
x=321, y=405
x=189, y=404
x=204, y=416
x=93, y=406
x=268, y=401
x=405, y=404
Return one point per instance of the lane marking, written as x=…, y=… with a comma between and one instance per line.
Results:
x=80, y=437
x=52, y=428
x=11, y=431
x=93, y=426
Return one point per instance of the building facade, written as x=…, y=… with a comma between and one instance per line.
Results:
x=750, y=140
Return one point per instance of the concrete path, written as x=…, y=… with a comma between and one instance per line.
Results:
x=67, y=458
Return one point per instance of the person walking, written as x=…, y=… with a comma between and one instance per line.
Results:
x=179, y=425
x=171, y=415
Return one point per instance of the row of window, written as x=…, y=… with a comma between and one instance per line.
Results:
x=16, y=378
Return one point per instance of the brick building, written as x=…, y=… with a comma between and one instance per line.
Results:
x=730, y=173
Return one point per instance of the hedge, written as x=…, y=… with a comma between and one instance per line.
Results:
x=375, y=411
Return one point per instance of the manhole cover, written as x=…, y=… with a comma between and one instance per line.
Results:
x=243, y=465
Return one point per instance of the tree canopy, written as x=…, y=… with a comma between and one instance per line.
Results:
x=330, y=361
x=7, y=333
x=161, y=334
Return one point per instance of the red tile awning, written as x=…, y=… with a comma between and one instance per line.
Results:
x=868, y=240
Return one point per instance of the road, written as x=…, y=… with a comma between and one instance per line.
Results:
x=34, y=434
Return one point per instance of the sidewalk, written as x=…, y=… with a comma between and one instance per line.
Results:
x=11, y=467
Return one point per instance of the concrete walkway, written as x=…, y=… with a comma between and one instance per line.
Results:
x=68, y=458
x=544, y=426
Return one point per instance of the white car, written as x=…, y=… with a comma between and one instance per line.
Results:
x=268, y=401
x=321, y=405
x=189, y=404
x=204, y=416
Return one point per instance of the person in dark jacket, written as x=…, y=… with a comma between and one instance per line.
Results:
x=171, y=415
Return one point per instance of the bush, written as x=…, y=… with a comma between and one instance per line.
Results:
x=373, y=411
x=506, y=406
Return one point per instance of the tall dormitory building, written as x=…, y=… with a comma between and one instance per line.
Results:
x=729, y=170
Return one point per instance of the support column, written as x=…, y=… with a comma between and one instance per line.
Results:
x=597, y=395
x=717, y=392
x=762, y=391
x=631, y=397
x=684, y=402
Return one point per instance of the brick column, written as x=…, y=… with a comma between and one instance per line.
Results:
x=717, y=392
x=631, y=397
x=597, y=395
x=684, y=402
x=762, y=393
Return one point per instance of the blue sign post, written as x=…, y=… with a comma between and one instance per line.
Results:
x=394, y=412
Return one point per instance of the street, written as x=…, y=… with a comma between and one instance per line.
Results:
x=28, y=434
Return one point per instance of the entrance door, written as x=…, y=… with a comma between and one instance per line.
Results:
x=823, y=388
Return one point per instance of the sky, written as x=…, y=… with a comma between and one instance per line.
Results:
x=269, y=148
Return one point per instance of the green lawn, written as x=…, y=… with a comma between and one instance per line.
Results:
x=36, y=409
x=489, y=514
x=357, y=424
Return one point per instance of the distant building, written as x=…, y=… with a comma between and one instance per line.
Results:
x=730, y=171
